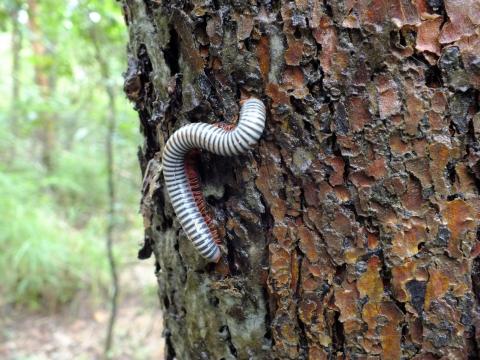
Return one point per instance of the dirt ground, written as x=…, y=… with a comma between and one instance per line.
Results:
x=78, y=331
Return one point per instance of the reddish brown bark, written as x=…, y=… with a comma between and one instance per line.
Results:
x=351, y=230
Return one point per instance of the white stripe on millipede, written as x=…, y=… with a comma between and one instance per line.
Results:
x=219, y=141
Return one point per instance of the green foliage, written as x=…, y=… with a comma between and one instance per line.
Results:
x=52, y=223
x=43, y=259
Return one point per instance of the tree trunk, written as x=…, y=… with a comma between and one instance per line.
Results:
x=16, y=45
x=44, y=82
x=350, y=231
x=111, y=122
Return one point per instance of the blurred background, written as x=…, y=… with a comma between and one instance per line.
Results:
x=69, y=185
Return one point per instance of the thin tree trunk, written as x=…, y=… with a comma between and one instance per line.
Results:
x=16, y=42
x=350, y=231
x=111, y=126
x=44, y=82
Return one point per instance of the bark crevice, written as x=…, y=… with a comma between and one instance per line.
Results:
x=352, y=229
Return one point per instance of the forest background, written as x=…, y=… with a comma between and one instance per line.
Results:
x=69, y=181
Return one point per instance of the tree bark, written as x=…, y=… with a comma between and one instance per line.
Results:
x=351, y=230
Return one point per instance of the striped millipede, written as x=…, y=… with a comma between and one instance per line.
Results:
x=182, y=181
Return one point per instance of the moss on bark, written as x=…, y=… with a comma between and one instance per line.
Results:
x=351, y=230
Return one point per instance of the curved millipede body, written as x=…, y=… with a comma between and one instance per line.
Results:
x=182, y=181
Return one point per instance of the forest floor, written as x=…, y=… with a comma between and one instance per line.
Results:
x=78, y=330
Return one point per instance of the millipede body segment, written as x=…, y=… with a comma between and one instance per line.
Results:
x=196, y=188
x=182, y=181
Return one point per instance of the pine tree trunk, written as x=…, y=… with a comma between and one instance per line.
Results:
x=350, y=231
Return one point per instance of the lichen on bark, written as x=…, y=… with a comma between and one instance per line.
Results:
x=351, y=231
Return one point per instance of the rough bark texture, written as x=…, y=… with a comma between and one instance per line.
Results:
x=351, y=230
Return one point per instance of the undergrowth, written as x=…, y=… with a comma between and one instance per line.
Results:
x=52, y=228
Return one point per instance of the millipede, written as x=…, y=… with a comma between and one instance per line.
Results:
x=182, y=180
